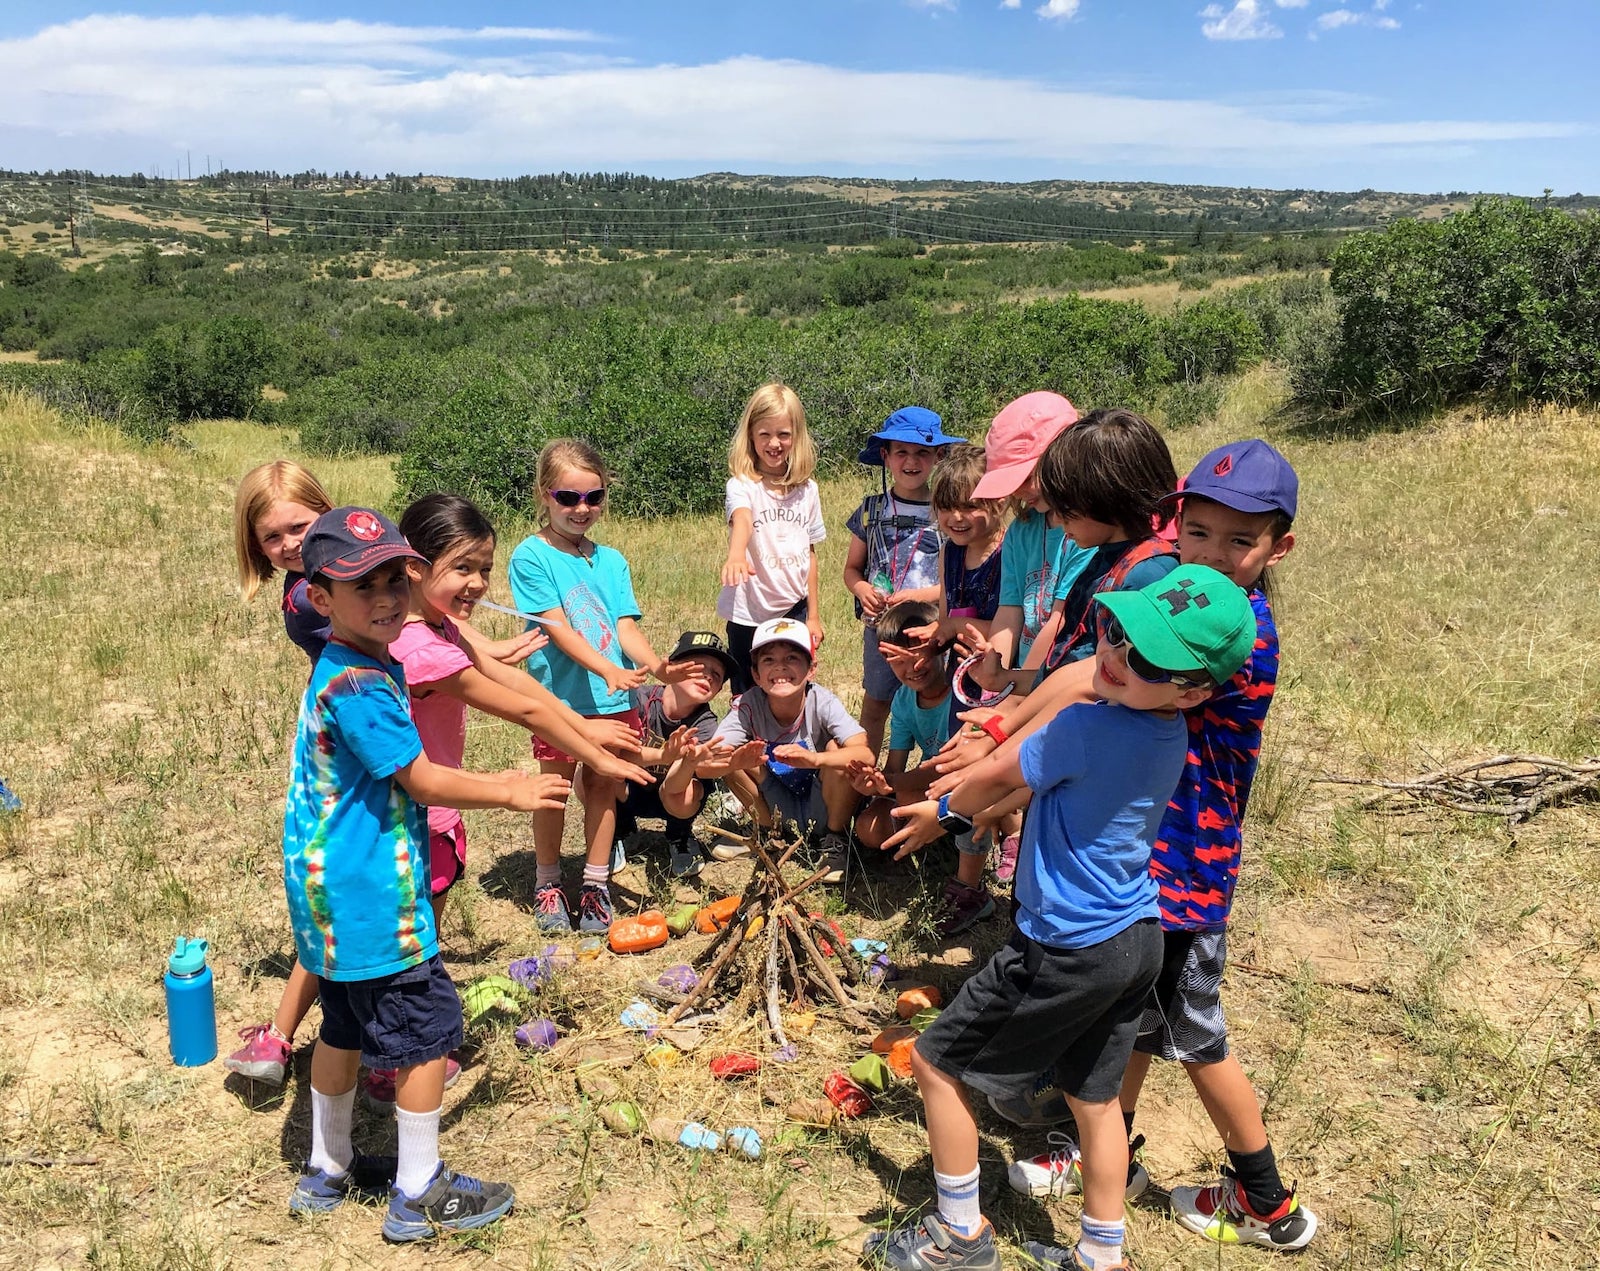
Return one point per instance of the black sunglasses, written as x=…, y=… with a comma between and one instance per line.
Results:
x=1113, y=634
x=571, y=498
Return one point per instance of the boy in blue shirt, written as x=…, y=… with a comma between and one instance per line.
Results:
x=1069, y=988
x=355, y=857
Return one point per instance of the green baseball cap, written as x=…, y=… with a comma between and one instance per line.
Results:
x=1193, y=619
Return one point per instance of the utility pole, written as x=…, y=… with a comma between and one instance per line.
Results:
x=72, y=223
x=266, y=211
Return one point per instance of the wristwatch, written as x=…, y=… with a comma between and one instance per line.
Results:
x=951, y=822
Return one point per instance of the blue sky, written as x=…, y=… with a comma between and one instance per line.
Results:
x=1342, y=94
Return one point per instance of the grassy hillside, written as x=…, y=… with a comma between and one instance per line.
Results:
x=1415, y=997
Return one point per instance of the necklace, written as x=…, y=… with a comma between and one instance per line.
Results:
x=576, y=544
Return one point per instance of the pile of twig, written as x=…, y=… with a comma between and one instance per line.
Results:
x=783, y=951
x=1512, y=786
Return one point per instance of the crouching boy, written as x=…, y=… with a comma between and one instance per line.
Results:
x=355, y=854
x=791, y=742
x=1069, y=988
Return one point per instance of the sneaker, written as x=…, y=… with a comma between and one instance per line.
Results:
x=263, y=1057
x=1045, y=1105
x=1005, y=866
x=319, y=1192
x=1054, y=1258
x=377, y=1087
x=960, y=907
x=928, y=1244
x=1222, y=1212
x=452, y=1202
x=1058, y=1172
x=594, y=909
x=550, y=909
x=685, y=861
x=833, y=855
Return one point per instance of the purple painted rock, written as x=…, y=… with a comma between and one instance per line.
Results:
x=680, y=978
x=538, y=1035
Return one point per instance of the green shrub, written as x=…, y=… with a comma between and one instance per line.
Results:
x=1501, y=302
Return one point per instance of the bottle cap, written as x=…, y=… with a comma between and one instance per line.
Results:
x=188, y=957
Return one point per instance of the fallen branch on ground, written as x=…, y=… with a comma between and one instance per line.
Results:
x=1513, y=786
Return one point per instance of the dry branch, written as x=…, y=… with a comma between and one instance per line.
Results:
x=1513, y=786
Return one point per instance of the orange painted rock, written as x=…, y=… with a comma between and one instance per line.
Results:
x=638, y=934
x=885, y=1041
x=918, y=999
x=715, y=916
x=900, y=1057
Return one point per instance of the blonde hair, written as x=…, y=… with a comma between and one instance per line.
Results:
x=954, y=478
x=775, y=398
x=281, y=481
x=562, y=453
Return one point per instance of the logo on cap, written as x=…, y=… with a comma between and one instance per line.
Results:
x=1180, y=598
x=364, y=526
x=1224, y=466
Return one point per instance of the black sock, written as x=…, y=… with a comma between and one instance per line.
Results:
x=1258, y=1175
x=1127, y=1122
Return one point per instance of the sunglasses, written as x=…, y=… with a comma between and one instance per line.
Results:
x=571, y=498
x=1113, y=635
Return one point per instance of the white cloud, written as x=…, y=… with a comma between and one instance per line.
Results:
x=1336, y=18
x=1011, y=4
x=114, y=93
x=1058, y=9
x=1244, y=21
x=1291, y=4
x=933, y=4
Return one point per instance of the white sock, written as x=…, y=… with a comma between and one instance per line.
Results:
x=958, y=1201
x=595, y=875
x=1101, y=1245
x=419, y=1150
x=547, y=875
x=330, y=1130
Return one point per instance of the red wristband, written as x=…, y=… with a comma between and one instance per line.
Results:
x=993, y=728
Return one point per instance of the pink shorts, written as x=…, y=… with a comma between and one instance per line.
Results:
x=544, y=752
x=447, y=858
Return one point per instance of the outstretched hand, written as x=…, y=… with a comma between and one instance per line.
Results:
x=919, y=826
x=517, y=647
x=868, y=779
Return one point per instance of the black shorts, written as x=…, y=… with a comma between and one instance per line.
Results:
x=1033, y=1007
x=1183, y=1018
x=395, y=1021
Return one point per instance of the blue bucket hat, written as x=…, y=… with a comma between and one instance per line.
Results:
x=914, y=425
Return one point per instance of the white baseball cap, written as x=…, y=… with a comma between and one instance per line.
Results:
x=786, y=630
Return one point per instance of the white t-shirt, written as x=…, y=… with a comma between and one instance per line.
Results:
x=784, y=529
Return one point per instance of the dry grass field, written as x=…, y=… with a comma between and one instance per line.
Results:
x=1415, y=997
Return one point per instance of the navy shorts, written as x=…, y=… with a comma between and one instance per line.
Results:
x=1033, y=1006
x=395, y=1021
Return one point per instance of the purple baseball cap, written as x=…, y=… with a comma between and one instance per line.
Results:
x=348, y=543
x=1248, y=476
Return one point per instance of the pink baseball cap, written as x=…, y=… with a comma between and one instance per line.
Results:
x=1017, y=438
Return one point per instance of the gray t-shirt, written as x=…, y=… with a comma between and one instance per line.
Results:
x=823, y=719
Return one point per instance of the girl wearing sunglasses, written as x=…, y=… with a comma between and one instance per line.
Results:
x=582, y=594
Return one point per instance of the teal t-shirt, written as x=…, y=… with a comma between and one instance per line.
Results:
x=595, y=593
x=355, y=844
x=911, y=724
x=1038, y=565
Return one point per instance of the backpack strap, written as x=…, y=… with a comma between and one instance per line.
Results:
x=1112, y=580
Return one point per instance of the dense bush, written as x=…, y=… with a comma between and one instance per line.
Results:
x=103, y=392
x=1501, y=301
x=216, y=370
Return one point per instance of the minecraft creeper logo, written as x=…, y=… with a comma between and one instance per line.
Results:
x=1179, y=598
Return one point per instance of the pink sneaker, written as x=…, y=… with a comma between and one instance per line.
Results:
x=1006, y=867
x=377, y=1087
x=264, y=1056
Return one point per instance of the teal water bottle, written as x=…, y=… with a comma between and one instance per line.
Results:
x=191, y=1005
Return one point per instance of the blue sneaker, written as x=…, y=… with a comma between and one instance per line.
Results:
x=319, y=1192
x=928, y=1245
x=1044, y=1105
x=594, y=909
x=452, y=1202
x=550, y=912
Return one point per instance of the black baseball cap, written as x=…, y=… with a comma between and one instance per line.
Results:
x=349, y=543
x=698, y=644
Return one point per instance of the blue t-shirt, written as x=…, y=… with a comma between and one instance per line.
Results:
x=355, y=844
x=1101, y=776
x=902, y=543
x=595, y=593
x=1038, y=563
x=304, y=625
x=912, y=724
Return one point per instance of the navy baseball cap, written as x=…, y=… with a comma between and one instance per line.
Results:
x=1248, y=476
x=348, y=543
x=913, y=425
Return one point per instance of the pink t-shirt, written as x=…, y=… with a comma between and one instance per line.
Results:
x=429, y=655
